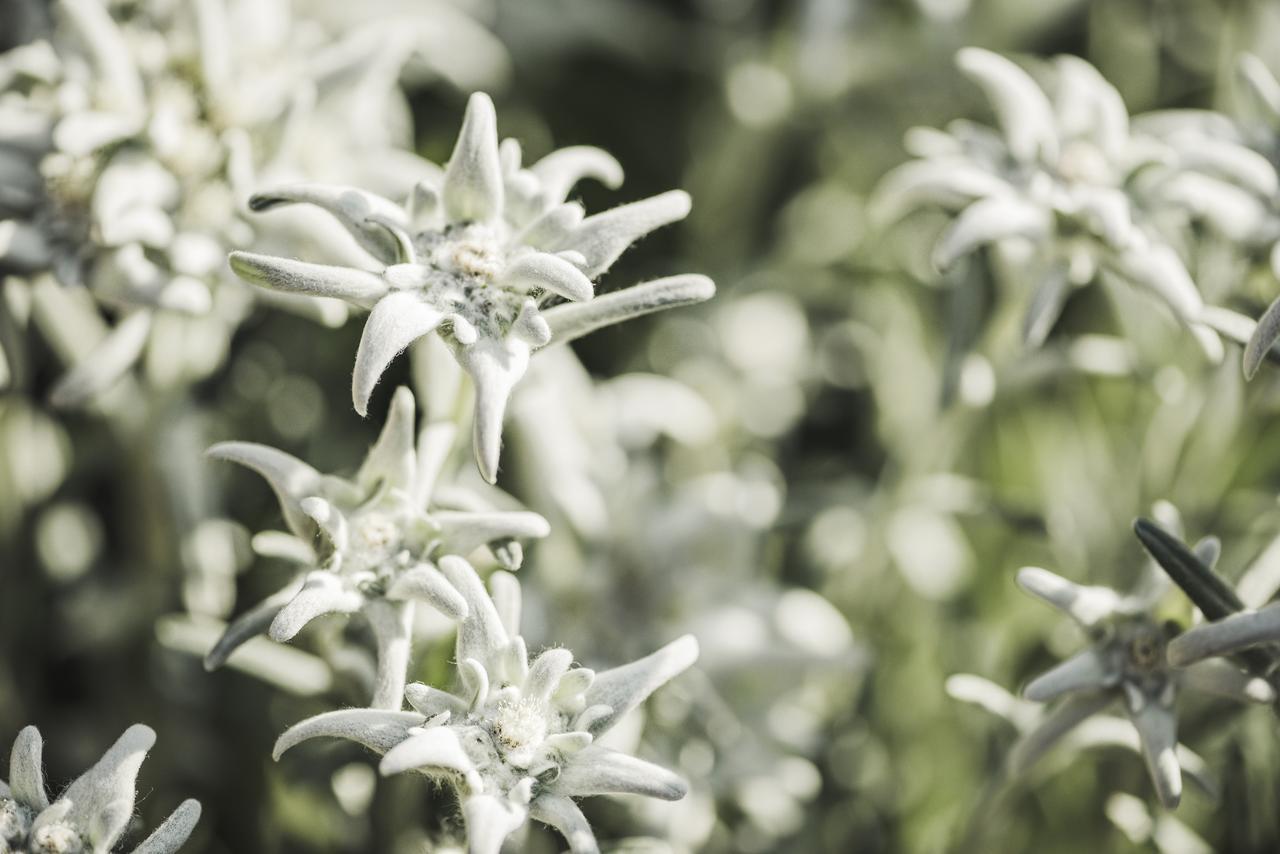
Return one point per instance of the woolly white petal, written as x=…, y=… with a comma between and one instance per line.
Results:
x=495, y=366
x=545, y=673
x=945, y=182
x=603, y=237
x=425, y=583
x=173, y=833
x=433, y=749
x=289, y=477
x=105, y=363
x=357, y=211
x=549, y=273
x=490, y=821
x=357, y=287
x=321, y=594
x=111, y=781
x=1021, y=107
x=625, y=687
x=1158, y=268
x=26, y=770
x=432, y=701
x=473, y=178
x=396, y=321
x=504, y=589
x=249, y=625
x=561, y=169
x=571, y=321
x=465, y=532
x=393, y=459
x=601, y=771
x=988, y=220
x=377, y=729
x=565, y=816
x=481, y=636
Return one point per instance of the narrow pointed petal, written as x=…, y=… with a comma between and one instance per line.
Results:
x=109, y=360
x=545, y=673
x=328, y=519
x=465, y=532
x=1021, y=107
x=1053, y=727
x=504, y=589
x=350, y=207
x=560, y=170
x=377, y=729
x=1158, y=268
x=544, y=272
x=323, y=593
x=434, y=749
x=490, y=821
x=392, y=624
x=1157, y=727
x=986, y=221
x=623, y=688
x=393, y=460
x=1046, y=306
x=495, y=366
x=601, y=238
x=1223, y=637
x=108, y=52
x=26, y=770
x=430, y=701
x=425, y=583
x=112, y=780
x=249, y=625
x=1264, y=336
x=1226, y=680
x=481, y=635
x=1084, y=671
x=554, y=228
x=358, y=287
x=1086, y=605
x=948, y=183
x=174, y=832
x=574, y=320
x=530, y=326
x=563, y=814
x=602, y=771
x=571, y=691
x=396, y=321
x=289, y=477
x=473, y=178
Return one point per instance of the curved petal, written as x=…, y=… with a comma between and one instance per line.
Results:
x=1021, y=107
x=623, y=688
x=433, y=749
x=545, y=673
x=574, y=320
x=481, y=636
x=495, y=366
x=949, y=183
x=111, y=781
x=396, y=321
x=321, y=594
x=986, y=221
x=546, y=272
x=377, y=729
x=249, y=625
x=425, y=583
x=109, y=359
x=602, y=771
x=351, y=207
x=358, y=287
x=174, y=832
x=432, y=701
x=464, y=532
x=1264, y=336
x=601, y=238
x=289, y=477
x=563, y=814
x=560, y=170
x=1084, y=671
x=393, y=460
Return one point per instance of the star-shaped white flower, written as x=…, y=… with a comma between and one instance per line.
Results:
x=516, y=740
x=476, y=254
x=377, y=544
x=94, y=811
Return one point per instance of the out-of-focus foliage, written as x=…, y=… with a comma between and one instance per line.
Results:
x=829, y=475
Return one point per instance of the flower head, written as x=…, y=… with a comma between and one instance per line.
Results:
x=476, y=254
x=377, y=543
x=95, y=810
x=517, y=738
x=1127, y=659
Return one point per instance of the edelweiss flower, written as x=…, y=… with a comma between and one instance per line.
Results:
x=477, y=253
x=93, y=813
x=1240, y=631
x=1127, y=660
x=1060, y=172
x=516, y=740
x=378, y=544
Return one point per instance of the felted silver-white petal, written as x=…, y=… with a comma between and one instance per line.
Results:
x=490, y=820
x=396, y=321
x=1224, y=679
x=464, y=532
x=602, y=237
x=393, y=460
x=431, y=701
x=107, y=362
x=1239, y=631
x=289, y=477
x=1157, y=726
x=554, y=228
x=1089, y=106
x=322, y=593
x=560, y=170
x=1065, y=717
x=377, y=729
x=1084, y=671
x=351, y=207
x=504, y=590
x=109, y=824
x=623, y=688
x=173, y=833
x=108, y=51
x=425, y=583
x=545, y=673
x=432, y=750
x=358, y=287
x=481, y=635
x=249, y=625
x=1158, y=268
x=1087, y=605
x=986, y=221
x=564, y=815
x=472, y=189
x=1021, y=107
x=948, y=183
x=573, y=320
x=602, y=771
x=1046, y=306
x=495, y=366
x=542, y=271
x=112, y=780
x=26, y=770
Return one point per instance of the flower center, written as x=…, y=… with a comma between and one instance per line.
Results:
x=520, y=725
x=1082, y=162
x=57, y=839
x=15, y=822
